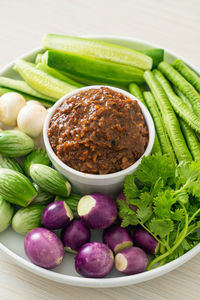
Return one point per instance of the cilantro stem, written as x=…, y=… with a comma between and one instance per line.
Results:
x=177, y=243
x=155, y=237
x=194, y=215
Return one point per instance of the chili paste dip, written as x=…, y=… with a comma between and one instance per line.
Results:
x=98, y=131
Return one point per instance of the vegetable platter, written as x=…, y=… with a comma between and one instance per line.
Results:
x=12, y=243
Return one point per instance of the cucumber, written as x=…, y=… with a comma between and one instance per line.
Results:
x=14, y=143
x=27, y=97
x=26, y=219
x=156, y=54
x=38, y=58
x=37, y=156
x=42, y=82
x=16, y=188
x=95, y=69
x=42, y=197
x=6, y=213
x=57, y=74
x=50, y=180
x=72, y=202
x=10, y=163
x=97, y=49
x=21, y=86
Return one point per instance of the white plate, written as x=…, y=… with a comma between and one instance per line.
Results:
x=12, y=243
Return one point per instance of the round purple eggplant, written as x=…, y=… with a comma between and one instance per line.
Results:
x=44, y=248
x=97, y=210
x=94, y=260
x=75, y=235
x=117, y=238
x=121, y=196
x=56, y=215
x=146, y=241
x=131, y=261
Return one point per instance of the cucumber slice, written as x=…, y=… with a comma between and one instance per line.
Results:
x=97, y=49
x=10, y=163
x=42, y=82
x=95, y=69
x=50, y=180
x=37, y=156
x=14, y=143
x=16, y=188
x=156, y=54
x=21, y=86
x=6, y=213
x=57, y=74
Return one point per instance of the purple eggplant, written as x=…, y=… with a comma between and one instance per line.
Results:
x=117, y=238
x=146, y=241
x=56, y=215
x=97, y=210
x=75, y=235
x=131, y=261
x=121, y=196
x=44, y=248
x=94, y=260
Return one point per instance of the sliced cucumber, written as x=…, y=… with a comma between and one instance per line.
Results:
x=10, y=163
x=6, y=213
x=27, y=219
x=95, y=69
x=42, y=82
x=16, y=188
x=97, y=49
x=37, y=156
x=50, y=180
x=14, y=143
x=156, y=54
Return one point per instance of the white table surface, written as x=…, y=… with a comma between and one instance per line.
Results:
x=174, y=25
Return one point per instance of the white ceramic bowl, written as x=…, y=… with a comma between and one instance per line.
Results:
x=86, y=183
x=13, y=244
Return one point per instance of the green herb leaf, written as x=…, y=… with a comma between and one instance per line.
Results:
x=161, y=227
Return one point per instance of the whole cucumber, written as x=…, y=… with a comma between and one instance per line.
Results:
x=6, y=213
x=16, y=188
x=50, y=180
x=10, y=163
x=27, y=219
x=14, y=143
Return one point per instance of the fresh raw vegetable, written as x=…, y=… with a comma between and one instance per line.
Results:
x=16, y=188
x=169, y=117
x=121, y=196
x=117, y=238
x=156, y=54
x=10, y=105
x=164, y=141
x=44, y=248
x=26, y=219
x=14, y=143
x=146, y=241
x=50, y=180
x=72, y=202
x=56, y=215
x=97, y=210
x=92, y=68
x=6, y=213
x=42, y=197
x=179, y=106
x=97, y=49
x=31, y=118
x=10, y=163
x=168, y=205
x=134, y=89
x=22, y=87
x=75, y=235
x=42, y=82
x=94, y=260
x=37, y=156
x=185, y=100
x=187, y=73
x=131, y=261
x=182, y=84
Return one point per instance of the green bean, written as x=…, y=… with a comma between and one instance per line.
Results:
x=191, y=139
x=185, y=100
x=135, y=90
x=169, y=117
x=182, y=84
x=165, y=144
x=177, y=103
x=156, y=147
x=187, y=73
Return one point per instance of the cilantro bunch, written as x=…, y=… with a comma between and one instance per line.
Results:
x=168, y=205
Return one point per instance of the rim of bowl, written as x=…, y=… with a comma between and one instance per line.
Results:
x=53, y=156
